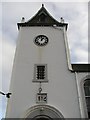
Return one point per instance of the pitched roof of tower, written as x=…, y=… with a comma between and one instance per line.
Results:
x=42, y=18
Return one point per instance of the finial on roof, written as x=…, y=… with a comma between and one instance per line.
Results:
x=62, y=20
x=42, y=5
x=23, y=20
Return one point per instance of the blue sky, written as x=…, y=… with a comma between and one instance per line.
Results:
x=74, y=13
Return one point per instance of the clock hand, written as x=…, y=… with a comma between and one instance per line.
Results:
x=42, y=39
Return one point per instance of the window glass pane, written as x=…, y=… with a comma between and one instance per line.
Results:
x=88, y=103
x=87, y=87
x=87, y=82
x=40, y=72
x=87, y=90
x=87, y=95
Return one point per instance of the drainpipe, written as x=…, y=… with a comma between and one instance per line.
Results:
x=79, y=97
x=67, y=49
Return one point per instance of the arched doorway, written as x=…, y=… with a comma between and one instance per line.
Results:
x=42, y=117
x=43, y=112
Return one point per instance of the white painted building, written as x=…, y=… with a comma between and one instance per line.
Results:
x=44, y=84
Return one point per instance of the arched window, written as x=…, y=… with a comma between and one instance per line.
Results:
x=87, y=95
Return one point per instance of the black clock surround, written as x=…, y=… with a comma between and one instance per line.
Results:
x=41, y=40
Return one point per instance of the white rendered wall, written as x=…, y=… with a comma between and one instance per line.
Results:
x=61, y=87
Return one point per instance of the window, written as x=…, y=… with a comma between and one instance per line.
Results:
x=42, y=17
x=40, y=73
x=87, y=95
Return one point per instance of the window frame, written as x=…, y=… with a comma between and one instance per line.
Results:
x=35, y=72
x=85, y=96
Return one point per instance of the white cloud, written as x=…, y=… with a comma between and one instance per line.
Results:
x=82, y=55
x=45, y=1
x=76, y=14
x=7, y=53
x=8, y=50
x=18, y=9
x=0, y=60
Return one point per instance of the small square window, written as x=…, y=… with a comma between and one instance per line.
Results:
x=40, y=73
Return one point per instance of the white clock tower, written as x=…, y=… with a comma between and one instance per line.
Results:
x=42, y=84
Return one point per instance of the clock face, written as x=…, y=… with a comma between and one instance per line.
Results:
x=41, y=40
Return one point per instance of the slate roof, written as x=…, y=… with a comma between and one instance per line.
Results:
x=42, y=18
